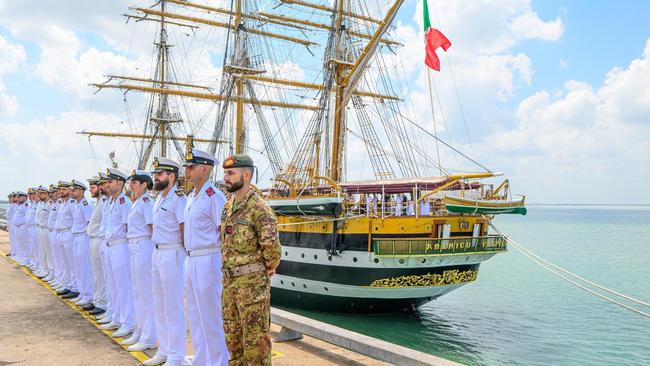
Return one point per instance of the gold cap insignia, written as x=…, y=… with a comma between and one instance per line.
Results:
x=189, y=155
x=155, y=162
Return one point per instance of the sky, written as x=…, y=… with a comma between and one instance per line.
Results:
x=555, y=94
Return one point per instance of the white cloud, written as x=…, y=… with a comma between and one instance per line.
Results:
x=581, y=140
x=11, y=57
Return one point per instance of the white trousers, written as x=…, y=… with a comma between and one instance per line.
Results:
x=108, y=281
x=33, y=246
x=141, y=256
x=67, y=251
x=57, y=261
x=169, y=315
x=23, y=242
x=97, y=270
x=82, y=266
x=45, y=249
x=12, y=237
x=120, y=278
x=203, y=294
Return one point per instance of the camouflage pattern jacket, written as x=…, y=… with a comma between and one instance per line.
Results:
x=249, y=234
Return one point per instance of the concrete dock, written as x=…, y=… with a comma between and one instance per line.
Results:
x=38, y=328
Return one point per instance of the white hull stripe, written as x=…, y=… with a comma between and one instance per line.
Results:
x=367, y=259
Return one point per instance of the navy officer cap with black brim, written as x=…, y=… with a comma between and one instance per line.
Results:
x=165, y=165
x=199, y=157
x=115, y=174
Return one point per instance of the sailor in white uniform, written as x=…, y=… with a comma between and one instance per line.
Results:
x=19, y=225
x=57, y=261
x=118, y=256
x=66, y=241
x=140, y=227
x=398, y=205
x=30, y=224
x=107, y=317
x=81, y=217
x=96, y=236
x=167, y=264
x=39, y=216
x=203, y=261
x=425, y=207
x=46, y=232
x=9, y=215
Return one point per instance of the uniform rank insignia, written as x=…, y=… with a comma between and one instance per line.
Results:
x=145, y=199
x=180, y=193
x=229, y=229
x=85, y=203
x=209, y=191
x=121, y=200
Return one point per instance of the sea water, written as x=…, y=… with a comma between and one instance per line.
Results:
x=517, y=313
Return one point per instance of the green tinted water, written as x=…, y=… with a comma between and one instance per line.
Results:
x=516, y=313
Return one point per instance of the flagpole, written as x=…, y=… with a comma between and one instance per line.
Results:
x=433, y=118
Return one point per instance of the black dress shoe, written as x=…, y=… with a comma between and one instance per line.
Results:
x=63, y=293
x=97, y=311
x=70, y=295
x=88, y=307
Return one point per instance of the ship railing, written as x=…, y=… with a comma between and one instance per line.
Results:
x=437, y=247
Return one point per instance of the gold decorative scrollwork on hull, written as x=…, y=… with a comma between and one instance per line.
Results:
x=450, y=277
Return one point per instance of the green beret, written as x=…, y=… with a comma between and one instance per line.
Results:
x=238, y=161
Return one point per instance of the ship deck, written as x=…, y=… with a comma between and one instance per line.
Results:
x=39, y=328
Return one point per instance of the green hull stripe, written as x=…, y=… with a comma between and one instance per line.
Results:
x=487, y=210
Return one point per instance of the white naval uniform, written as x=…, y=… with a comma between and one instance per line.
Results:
x=103, y=252
x=57, y=261
x=10, y=228
x=410, y=209
x=167, y=275
x=119, y=262
x=96, y=235
x=81, y=217
x=21, y=229
x=30, y=224
x=141, y=249
x=66, y=242
x=203, y=275
x=42, y=215
x=398, y=205
x=425, y=208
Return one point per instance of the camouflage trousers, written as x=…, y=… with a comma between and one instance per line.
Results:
x=246, y=302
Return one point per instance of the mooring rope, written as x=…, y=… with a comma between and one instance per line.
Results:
x=547, y=265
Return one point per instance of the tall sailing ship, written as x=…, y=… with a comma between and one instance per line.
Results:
x=316, y=93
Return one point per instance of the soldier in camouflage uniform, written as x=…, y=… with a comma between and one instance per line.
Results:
x=250, y=252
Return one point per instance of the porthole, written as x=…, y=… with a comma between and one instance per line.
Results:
x=354, y=259
x=329, y=258
x=302, y=255
x=286, y=254
x=304, y=286
x=281, y=282
x=326, y=289
x=293, y=284
x=401, y=261
x=315, y=256
x=376, y=260
x=424, y=260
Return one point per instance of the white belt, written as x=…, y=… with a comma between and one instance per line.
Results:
x=62, y=230
x=78, y=234
x=138, y=238
x=200, y=252
x=115, y=242
x=168, y=246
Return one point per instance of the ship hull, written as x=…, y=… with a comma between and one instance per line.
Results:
x=360, y=282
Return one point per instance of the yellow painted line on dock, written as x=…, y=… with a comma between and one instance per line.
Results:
x=140, y=356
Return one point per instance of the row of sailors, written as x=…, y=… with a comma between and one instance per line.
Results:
x=401, y=205
x=119, y=259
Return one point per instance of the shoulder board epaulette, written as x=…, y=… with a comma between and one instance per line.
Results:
x=145, y=199
x=104, y=199
x=180, y=193
x=72, y=200
x=121, y=200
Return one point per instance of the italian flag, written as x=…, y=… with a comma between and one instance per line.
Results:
x=434, y=39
